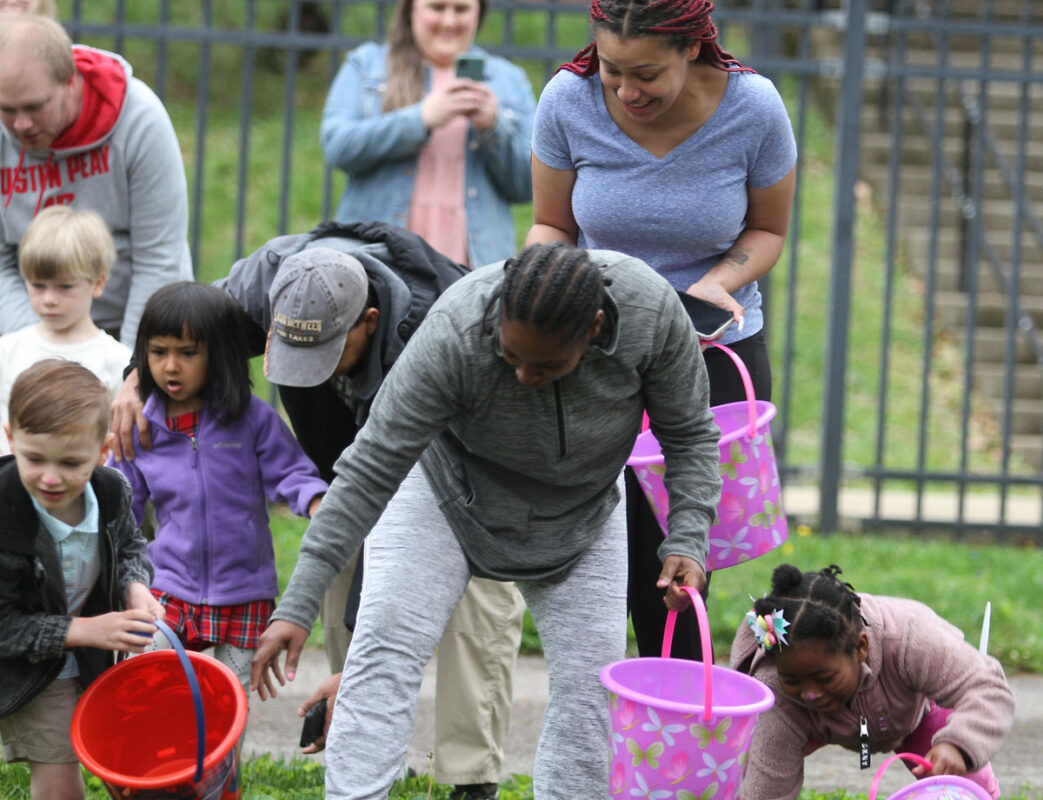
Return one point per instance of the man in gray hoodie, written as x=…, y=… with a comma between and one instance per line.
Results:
x=78, y=129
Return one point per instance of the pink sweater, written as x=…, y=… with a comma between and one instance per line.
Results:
x=914, y=656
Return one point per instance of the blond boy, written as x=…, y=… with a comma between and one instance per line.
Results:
x=71, y=557
x=64, y=258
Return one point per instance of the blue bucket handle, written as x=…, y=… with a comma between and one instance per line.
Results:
x=197, y=695
x=704, y=636
x=747, y=384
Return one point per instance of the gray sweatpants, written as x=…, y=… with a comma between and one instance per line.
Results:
x=415, y=575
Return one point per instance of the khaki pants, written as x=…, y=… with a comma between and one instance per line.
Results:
x=476, y=658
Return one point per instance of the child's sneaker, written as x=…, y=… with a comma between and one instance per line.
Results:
x=475, y=791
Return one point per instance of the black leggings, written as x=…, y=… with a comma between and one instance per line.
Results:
x=645, y=601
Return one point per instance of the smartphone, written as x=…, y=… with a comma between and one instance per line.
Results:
x=314, y=722
x=710, y=321
x=472, y=67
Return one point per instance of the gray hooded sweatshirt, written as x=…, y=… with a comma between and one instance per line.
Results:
x=525, y=476
x=121, y=160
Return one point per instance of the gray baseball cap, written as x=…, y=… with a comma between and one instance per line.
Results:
x=317, y=295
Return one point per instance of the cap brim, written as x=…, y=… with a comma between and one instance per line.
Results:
x=295, y=365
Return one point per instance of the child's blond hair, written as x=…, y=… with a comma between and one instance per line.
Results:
x=59, y=397
x=64, y=242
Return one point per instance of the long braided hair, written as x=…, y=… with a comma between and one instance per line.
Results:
x=682, y=22
x=818, y=605
x=555, y=288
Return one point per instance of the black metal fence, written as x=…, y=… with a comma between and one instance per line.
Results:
x=904, y=318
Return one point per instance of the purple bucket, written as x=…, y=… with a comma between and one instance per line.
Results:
x=932, y=787
x=750, y=521
x=680, y=729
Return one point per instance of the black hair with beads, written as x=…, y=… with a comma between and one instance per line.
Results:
x=817, y=605
x=555, y=288
x=679, y=22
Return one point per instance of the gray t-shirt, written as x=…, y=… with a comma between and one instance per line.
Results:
x=679, y=213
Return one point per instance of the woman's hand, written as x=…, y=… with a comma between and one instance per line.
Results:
x=679, y=571
x=280, y=635
x=716, y=295
x=459, y=98
x=947, y=760
x=124, y=415
x=127, y=631
x=328, y=690
x=487, y=106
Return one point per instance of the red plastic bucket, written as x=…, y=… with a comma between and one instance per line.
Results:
x=680, y=729
x=149, y=733
x=750, y=521
x=932, y=787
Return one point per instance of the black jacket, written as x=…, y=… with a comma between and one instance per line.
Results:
x=406, y=274
x=33, y=612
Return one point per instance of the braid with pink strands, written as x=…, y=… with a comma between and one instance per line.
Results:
x=681, y=21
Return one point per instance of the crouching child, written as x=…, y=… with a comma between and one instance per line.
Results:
x=74, y=576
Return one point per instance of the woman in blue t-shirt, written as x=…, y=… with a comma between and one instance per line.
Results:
x=657, y=143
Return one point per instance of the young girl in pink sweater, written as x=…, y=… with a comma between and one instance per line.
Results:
x=871, y=674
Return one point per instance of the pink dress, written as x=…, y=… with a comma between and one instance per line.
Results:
x=436, y=211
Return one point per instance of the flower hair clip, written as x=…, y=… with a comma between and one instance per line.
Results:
x=769, y=630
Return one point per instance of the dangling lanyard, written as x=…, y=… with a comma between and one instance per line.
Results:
x=863, y=742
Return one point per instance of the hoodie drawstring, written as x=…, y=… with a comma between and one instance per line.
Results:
x=10, y=185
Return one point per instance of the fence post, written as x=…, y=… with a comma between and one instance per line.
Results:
x=846, y=160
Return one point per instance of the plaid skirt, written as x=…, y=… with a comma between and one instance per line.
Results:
x=200, y=627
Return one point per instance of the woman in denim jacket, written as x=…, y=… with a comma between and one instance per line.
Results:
x=443, y=157
x=393, y=109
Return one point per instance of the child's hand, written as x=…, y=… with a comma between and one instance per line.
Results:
x=947, y=760
x=139, y=597
x=128, y=631
x=313, y=506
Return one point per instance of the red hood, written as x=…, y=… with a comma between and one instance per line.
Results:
x=104, y=90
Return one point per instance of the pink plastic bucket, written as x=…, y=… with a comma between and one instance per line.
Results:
x=680, y=729
x=750, y=521
x=933, y=787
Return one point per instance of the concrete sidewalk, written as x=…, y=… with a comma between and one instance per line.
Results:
x=274, y=728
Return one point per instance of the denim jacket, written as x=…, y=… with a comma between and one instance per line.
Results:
x=379, y=151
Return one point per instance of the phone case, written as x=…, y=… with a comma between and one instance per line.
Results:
x=472, y=67
x=710, y=321
x=314, y=722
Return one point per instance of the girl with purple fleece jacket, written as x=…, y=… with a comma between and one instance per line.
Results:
x=217, y=453
x=871, y=674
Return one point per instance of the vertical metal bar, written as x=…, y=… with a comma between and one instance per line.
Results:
x=931, y=284
x=245, y=115
x=335, y=57
x=202, y=96
x=121, y=20
x=846, y=161
x=972, y=216
x=1010, y=363
x=781, y=429
x=161, y=51
x=894, y=200
x=290, y=90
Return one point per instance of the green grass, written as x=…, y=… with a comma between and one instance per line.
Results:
x=264, y=778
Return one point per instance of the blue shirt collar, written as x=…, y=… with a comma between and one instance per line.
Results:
x=60, y=531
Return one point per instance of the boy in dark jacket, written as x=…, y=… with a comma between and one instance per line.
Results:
x=71, y=557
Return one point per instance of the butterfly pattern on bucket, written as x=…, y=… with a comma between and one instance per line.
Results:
x=750, y=520
x=660, y=754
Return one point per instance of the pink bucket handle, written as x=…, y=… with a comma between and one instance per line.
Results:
x=747, y=384
x=704, y=636
x=923, y=762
